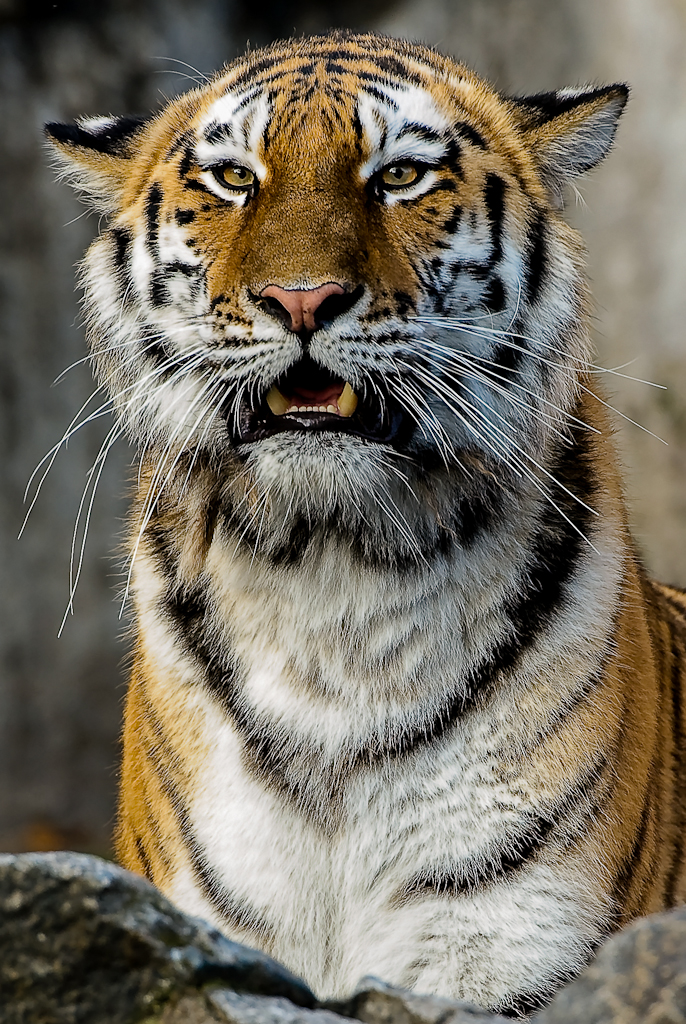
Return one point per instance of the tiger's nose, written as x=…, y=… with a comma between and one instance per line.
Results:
x=306, y=310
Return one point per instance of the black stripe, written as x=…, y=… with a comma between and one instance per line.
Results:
x=677, y=606
x=159, y=294
x=269, y=752
x=153, y=202
x=522, y=1005
x=536, y=257
x=197, y=186
x=444, y=185
x=468, y=132
x=517, y=849
x=544, y=106
x=508, y=359
x=335, y=69
x=472, y=515
x=395, y=68
x=474, y=876
x=179, y=267
x=631, y=862
x=494, y=300
x=233, y=910
x=186, y=162
x=494, y=198
x=122, y=239
x=383, y=98
x=143, y=858
x=184, y=217
x=451, y=224
x=215, y=132
x=184, y=140
x=419, y=131
x=404, y=303
x=122, y=245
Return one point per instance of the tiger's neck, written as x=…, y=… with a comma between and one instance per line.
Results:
x=342, y=663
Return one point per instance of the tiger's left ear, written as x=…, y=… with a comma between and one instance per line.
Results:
x=569, y=131
x=95, y=154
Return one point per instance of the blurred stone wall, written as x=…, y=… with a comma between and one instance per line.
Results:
x=60, y=699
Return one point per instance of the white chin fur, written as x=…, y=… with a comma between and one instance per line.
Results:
x=322, y=466
x=315, y=475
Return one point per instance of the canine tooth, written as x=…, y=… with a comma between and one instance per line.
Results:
x=277, y=402
x=347, y=403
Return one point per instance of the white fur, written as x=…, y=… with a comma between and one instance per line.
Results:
x=326, y=890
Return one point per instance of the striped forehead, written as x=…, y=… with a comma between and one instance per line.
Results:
x=396, y=120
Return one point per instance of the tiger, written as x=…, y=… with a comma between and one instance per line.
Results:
x=403, y=699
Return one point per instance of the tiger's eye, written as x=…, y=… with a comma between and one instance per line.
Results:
x=234, y=177
x=399, y=175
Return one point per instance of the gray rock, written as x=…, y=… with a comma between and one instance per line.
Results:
x=82, y=940
x=236, y=1008
x=194, y=1008
x=638, y=977
x=85, y=942
x=375, y=1002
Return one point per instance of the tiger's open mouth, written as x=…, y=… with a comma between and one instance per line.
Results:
x=309, y=398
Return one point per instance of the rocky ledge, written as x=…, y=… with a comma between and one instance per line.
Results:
x=81, y=940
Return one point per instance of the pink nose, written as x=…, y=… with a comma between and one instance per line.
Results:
x=299, y=308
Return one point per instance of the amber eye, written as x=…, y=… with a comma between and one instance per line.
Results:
x=399, y=175
x=239, y=179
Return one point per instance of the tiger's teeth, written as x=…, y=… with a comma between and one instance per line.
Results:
x=276, y=401
x=347, y=403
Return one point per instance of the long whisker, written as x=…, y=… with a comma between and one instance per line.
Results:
x=529, y=475
x=92, y=481
x=504, y=336
x=620, y=413
x=209, y=412
x=480, y=377
x=77, y=424
x=200, y=76
x=155, y=488
x=506, y=441
x=492, y=369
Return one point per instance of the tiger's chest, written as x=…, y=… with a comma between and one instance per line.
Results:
x=352, y=836
x=399, y=887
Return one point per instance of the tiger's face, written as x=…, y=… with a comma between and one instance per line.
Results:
x=338, y=272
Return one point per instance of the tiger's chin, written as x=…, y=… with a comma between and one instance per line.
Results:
x=332, y=485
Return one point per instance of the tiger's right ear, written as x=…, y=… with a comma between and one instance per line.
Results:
x=94, y=156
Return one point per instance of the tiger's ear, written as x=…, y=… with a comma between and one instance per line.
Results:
x=569, y=131
x=94, y=156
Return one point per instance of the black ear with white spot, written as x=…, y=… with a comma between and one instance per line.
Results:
x=569, y=131
x=94, y=154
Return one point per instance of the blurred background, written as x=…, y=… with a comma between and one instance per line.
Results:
x=60, y=700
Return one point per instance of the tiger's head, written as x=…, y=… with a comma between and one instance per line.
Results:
x=338, y=275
